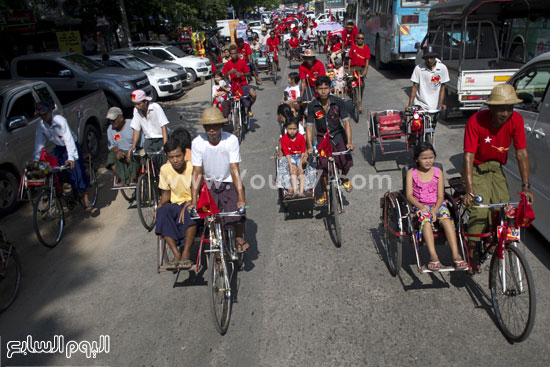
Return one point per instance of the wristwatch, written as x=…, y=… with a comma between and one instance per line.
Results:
x=527, y=186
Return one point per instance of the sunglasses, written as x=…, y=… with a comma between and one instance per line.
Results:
x=360, y=38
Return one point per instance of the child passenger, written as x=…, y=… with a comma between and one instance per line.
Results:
x=293, y=147
x=291, y=94
x=220, y=94
x=425, y=191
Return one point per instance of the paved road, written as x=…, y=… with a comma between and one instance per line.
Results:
x=301, y=301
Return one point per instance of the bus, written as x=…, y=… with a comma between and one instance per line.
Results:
x=524, y=38
x=392, y=28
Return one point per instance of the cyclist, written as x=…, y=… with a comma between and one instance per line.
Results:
x=175, y=181
x=236, y=70
x=149, y=117
x=55, y=128
x=263, y=38
x=429, y=78
x=272, y=45
x=359, y=56
x=305, y=34
x=330, y=111
x=349, y=35
x=245, y=53
x=215, y=157
x=310, y=70
x=119, y=141
x=487, y=139
x=293, y=45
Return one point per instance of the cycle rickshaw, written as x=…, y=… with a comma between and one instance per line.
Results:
x=393, y=125
x=510, y=279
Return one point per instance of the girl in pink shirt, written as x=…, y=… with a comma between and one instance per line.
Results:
x=426, y=192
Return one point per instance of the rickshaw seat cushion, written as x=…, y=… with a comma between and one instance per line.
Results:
x=390, y=120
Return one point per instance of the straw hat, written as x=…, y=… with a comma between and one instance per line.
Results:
x=309, y=53
x=503, y=94
x=211, y=116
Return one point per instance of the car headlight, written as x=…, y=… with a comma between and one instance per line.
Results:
x=163, y=81
x=127, y=85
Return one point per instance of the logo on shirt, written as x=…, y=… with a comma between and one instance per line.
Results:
x=435, y=79
x=319, y=115
x=117, y=137
x=501, y=150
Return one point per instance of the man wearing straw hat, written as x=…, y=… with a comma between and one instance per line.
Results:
x=310, y=70
x=487, y=139
x=215, y=157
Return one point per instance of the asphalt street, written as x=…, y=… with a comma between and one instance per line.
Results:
x=300, y=300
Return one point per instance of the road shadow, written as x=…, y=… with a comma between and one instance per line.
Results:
x=396, y=71
x=253, y=252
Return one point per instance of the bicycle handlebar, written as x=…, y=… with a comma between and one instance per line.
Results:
x=237, y=213
x=143, y=153
x=61, y=168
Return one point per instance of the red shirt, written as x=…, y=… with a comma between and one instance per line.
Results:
x=359, y=55
x=336, y=47
x=245, y=51
x=349, y=38
x=294, y=42
x=272, y=44
x=241, y=67
x=489, y=143
x=293, y=147
x=312, y=74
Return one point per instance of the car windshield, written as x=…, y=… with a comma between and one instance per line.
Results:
x=83, y=62
x=175, y=51
x=135, y=63
x=147, y=57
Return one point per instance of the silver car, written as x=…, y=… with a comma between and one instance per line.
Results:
x=532, y=83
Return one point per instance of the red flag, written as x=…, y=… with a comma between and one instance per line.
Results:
x=357, y=77
x=47, y=157
x=525, y=214
x=324, y=147
x=236, y=90
x=206, y=205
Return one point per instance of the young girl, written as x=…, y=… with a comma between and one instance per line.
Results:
x=220, y=93
x=339, y=82
x=293, y=147
x=225, y=56
x=330, y=73
x=284, y=114
x=291, y=94
x=425, y=191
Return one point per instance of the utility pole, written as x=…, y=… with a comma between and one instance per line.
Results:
x=127, y=41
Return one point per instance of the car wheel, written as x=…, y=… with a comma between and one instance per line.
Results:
x=8, y=192
x=191, y=76
x=154, y=94
x=92, y=140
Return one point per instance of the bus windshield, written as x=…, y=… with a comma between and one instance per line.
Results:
x=418, y=3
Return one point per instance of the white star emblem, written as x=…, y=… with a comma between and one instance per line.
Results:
x=488, y=139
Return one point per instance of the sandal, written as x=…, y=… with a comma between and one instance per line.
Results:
x=474, y=269
x=434, y=265
x=171, y=265
x=242, y=247
x=89, y=205
x=185, y=264
x=460, y=264
x=347, y=185
x=321, y=202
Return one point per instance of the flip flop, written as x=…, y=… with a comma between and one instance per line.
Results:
x=435, y=265
x=321, y=202
x=347, y=185
x=460, y=264
x=240, y=247
x=185, y=264
x=171, y=265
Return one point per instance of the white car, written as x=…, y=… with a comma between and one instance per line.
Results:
x=325, y=17
x=165, y=83
x=310, y=14
x=256, y=26
x=196, y=65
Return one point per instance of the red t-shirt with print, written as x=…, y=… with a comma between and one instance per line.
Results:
x=245, y=51
x=317, y=70
x=241, y=67
x=293, y=147
x=492, y=144
x=359, y=55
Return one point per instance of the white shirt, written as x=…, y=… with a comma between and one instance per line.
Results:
x=152, y=125
x=59, y=133
x=305, y=35
x=263, y=39
x=429, y=84
x=293, y=92
x=215, y=159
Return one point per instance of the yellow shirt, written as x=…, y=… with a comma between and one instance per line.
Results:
x=179, y=184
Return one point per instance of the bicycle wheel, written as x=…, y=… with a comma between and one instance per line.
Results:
x=10, y=276
x=392, y=244
x=237, y=124
x=93, y=189
x=335, y=211
x=128, y=194
x=513, y=294
x=220, y=291
x=48, y=219
x=146, y=201
x=372, y=143
x=356, y=104
x=274, y=72
x=244, y=123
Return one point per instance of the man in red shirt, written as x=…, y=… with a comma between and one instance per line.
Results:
x=350, y=34
x=272, y=45
x=236, y=70
x=310, y=70
x=487, y=139
x=245, y=53
x=358, y=62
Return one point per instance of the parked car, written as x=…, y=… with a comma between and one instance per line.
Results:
x=256, y=26
x=183, y=74
x=70, y=73
x=165, y=83
x=18, y=121
x=197, y=66
x=532, y=83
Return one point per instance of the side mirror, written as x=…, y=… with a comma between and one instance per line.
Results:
x=417, y=46
x=17, y=122
x=65, y=74
x=527, y=98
